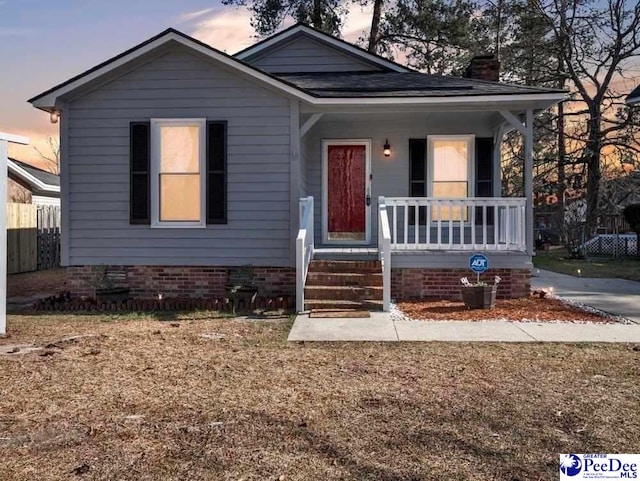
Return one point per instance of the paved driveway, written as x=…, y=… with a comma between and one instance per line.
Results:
x=616, y=296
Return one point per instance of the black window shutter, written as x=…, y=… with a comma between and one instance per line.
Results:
x=417, y=175
x=216, y=172
x=484, y=174
x=139, y=169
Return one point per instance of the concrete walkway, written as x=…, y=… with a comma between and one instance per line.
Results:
x=380, y=327
x=616, y=296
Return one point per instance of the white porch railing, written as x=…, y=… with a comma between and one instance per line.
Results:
x=304, y=248
x=473, y=223
x=384, y=252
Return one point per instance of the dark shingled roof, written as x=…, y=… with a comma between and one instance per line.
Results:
x=42, y=175
x=635, y=95
x=400, y=84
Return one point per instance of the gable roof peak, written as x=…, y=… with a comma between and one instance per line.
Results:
x=277, y=39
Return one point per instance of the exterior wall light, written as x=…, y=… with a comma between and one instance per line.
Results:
x=54, y=115
x=387, y=148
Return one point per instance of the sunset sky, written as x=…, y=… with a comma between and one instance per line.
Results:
x=45, y=42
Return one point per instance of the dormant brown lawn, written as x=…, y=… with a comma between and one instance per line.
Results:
x=145, y=399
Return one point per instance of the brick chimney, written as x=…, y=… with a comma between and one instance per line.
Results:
x=483, y=67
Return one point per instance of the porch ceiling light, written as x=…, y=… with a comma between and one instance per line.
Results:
x=387, y=148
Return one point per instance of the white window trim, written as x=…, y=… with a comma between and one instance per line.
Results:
x=471, y=161
x=155, y=173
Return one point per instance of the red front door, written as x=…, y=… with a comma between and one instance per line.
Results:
x=346, y=193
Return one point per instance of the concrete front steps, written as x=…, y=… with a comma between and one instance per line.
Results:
x=344, y=284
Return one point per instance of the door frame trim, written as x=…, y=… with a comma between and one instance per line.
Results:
x=325, y=189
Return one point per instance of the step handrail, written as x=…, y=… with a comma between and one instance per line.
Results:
x=304, y=248
x=384, y=252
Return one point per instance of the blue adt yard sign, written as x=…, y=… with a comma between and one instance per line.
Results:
x=478, y=263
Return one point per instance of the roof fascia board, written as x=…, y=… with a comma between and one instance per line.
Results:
x=455, y=100
x=27, y=177
x=633, y=100
x=327, y=39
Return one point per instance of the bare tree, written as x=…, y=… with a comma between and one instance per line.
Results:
x=374, y=32
x=52, y=158
x=598, y=41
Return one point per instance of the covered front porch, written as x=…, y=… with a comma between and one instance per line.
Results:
x=446, y=160
x=411, y=189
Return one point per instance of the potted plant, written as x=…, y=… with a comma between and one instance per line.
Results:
x=479, y=295
x=105, y=287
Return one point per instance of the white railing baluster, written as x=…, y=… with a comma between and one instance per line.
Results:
x=521, y=223
x=508, y=237
x=484, y=226
x=439, y=204
x=450, y=204
x=463, y=215
x=395, y=224
x=416, y=226
x=405, y=239
x=472, y=219
x=496, y=233
x=427, y=226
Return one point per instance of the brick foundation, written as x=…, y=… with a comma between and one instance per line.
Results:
x=146, y=282
x=419, y=283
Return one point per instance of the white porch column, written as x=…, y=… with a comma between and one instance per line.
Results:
x=528, y=179
x=498, y=138
x=4, y=154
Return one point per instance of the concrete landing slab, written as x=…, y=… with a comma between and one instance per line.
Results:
x=378, y=327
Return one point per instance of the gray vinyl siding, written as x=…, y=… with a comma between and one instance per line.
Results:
x=179, y=84
x=305, y=54
x=390, y=175
x=304, y=168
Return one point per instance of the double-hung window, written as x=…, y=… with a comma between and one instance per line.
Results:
x=178, y=172
x=450, y=167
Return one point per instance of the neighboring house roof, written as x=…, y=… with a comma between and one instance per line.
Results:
x=288, y=34
x=405, y=84
x=634, y=96
x=47, y=100
x=38, y=180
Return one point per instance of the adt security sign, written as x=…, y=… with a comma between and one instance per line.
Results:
x=478, y=263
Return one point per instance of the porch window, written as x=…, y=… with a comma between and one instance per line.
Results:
x=450, y=171
x=178, y=164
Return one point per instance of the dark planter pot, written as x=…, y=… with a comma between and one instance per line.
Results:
x=114, y=294
x=479, y=297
